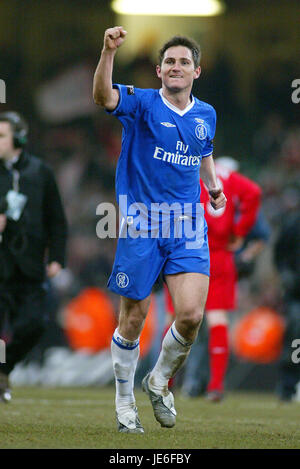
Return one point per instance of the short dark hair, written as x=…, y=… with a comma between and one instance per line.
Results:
x=185, y=42
x=17, y=122
x=18, y=126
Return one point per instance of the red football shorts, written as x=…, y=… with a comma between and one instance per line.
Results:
x=222, y=283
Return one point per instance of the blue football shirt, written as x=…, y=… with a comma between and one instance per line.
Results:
x=162, y=147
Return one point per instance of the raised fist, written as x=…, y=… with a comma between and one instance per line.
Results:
x=114, y=37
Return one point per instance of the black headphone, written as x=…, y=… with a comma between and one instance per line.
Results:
x=19, y=125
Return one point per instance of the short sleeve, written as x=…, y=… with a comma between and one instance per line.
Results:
x=211, y=129
x=128, y=102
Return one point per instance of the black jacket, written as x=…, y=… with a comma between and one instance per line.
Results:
x=42, y=227
x=287, y=255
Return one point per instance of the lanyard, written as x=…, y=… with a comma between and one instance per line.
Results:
x=16, y=179
x=14, y=172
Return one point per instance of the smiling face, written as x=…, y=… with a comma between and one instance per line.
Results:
x=177, y=70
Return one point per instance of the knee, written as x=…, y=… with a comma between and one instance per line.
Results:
x=191, y=319
x=216, y=318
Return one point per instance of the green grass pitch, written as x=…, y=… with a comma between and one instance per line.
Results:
x=85, y=418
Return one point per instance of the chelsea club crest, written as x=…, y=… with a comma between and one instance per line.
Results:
x=201, y=131
x=122, y=280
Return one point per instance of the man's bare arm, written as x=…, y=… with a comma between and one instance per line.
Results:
x=209, y=177
x=103, y=92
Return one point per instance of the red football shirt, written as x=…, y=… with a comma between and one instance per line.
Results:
x=240, y=212
x=236, y=218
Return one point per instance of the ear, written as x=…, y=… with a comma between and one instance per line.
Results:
x=158, y=71
x=197, y=72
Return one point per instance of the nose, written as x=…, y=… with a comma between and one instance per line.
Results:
x=176, y=69
x=176, y=66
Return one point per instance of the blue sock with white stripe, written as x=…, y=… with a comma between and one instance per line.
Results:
x=125, y=354
x=175, y=350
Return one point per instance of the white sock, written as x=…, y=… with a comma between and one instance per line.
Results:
x=125, y=354
x=175, y=350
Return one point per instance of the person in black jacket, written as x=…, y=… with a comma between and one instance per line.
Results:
x=32, y=225
x=287, y=260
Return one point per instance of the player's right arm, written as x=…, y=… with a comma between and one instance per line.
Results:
x=103, y=92
x=248, y=194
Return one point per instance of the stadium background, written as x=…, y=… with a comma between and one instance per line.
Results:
x=48, y=54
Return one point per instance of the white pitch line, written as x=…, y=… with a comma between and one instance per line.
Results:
x=59, y=401
x=30, y=400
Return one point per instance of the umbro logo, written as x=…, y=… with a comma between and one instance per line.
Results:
x=168, y=124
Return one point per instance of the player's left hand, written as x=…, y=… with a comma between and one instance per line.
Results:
x=53, y=269
x=217, y=198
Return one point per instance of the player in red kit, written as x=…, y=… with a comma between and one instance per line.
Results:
x=227, y=228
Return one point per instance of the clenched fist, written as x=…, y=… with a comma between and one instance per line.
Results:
x=217, y=198
x=114, y=38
